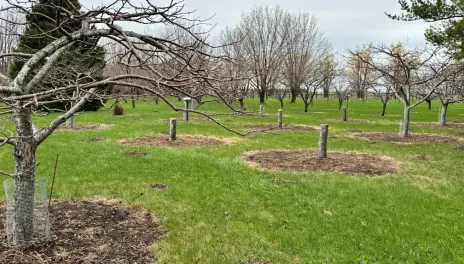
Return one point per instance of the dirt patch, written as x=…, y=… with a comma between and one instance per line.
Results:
x=85, y=127
x=421, y=156
x=345, y=162
x=412, y=138
x=284, y=127
x=158, y=186
x=90, y=232
x=137, y=153
x=179, y=142
x=460, y=147
x=436, y=124
x=97, y=139
x=349, y=120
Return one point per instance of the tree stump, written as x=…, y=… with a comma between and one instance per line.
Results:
x=261, y=110
x=279, y=120
x=322, y=148
x=344, y=114
x=172, y=129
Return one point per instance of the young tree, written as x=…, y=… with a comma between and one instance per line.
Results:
x=406, y=70
x=329, y=70
x=31, y=89
x=450, y=91
x=359, y=73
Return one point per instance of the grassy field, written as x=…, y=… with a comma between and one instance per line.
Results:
x=218, y=210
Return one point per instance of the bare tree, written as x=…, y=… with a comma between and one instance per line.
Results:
x=342, y=88
x=305, y=48
x=359, y=72
x=263, y=35
x=329, y=70
x=25, y=94
x=10, y=28
x=407, y=69
x=450, y=91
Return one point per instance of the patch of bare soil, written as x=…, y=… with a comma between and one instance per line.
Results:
x=348, y=120
x=181, y=141
x=412, y=138
x=96, y=139
x=284, y=127
x=436, y=124
x=421, y=156
x=158, y=186
x=344, y=162
x=460, y=147
x=137, y=153
x=85, y=127
x=90, y=232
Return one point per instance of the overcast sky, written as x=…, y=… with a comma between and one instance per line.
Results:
x=346, y=23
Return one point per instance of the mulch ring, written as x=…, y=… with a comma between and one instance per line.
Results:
x=90, y=232
x=284, y=127
x=412, y=138
x=162, y=140
x=85, y=127
x=307, y=161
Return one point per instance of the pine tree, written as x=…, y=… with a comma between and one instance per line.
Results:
x=84, y=61
x=449, y=32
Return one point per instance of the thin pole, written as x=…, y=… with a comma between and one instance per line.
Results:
x=53, y=181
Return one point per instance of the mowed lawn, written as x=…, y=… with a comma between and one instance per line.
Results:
x=218, y=210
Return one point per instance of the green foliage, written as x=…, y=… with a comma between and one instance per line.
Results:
x=83, y=57
x=449, y=32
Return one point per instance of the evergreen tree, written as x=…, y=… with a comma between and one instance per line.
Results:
x=449, y=32
x=80, y=64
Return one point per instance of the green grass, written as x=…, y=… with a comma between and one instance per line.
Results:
x=218, y=210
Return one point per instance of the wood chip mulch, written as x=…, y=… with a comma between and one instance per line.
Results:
x=412, y=138
x=284, y=127
x=90, y=232
x=307, y=161
x=179, y=142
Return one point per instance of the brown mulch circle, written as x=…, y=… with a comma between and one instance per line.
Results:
x=90, y=232
x=179, y=142
x=436, y=124
x=304, y=161
x=412, y=138
x=460, y=147
x=137, y=153
x=284, y=127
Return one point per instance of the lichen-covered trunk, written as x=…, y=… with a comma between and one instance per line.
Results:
x=444, y=110
x=24, y=155
x=406, y=115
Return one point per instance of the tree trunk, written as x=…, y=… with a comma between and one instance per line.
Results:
x=294, y=96
x=340, y=103
x=429, y=103
x=326, y=93
x=406, y=115
x=306, y=106
x=24, y=155
x=156, y=99
x=262, y=96
x=242, y=106
x=384, y=108
x=444, y=110
x=344, y=114
x=133, y=101
x=282, y=103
